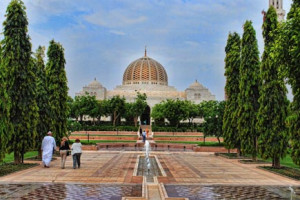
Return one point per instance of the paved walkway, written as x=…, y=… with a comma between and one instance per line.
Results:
x=113, y=174
x=118, y=167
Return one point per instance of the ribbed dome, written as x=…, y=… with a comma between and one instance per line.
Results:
x=145, y=70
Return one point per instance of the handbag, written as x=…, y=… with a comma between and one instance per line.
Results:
x=68, y=153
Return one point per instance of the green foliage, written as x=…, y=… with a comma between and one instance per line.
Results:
x=174, y=129
x=158, y=113
x=4, y=110
x=9, y=168
x=135, y=109
x=85, y=105
x=232, y=73
x=249, y=91
x=191, y=110
x=107, y=128
x=116, y=106
x=57, y=89
x=97, y=111
x=44, y=122
x=10, y=157
x=73, y=126
x=173, y=110
x=273, y=102
x=289, y=40
x=213, y=112
x=20, y=80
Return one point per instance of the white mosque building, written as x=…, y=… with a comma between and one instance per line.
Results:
x=146, y=75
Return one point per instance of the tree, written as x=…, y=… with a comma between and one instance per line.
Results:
x=44, y=121
x=273, y=101
x=97, y=110
x=20, y=80
x=232, y=73
x=117, y=107
x=174, y=111
x=57, y=89
x=249, y=91
x=158, y=113
x=191, y=110
x=138, y=107
x=4, y=111
x=129, y=112
x=213, y=112
x=288, y=45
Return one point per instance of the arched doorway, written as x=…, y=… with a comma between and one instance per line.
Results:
x=145, y=117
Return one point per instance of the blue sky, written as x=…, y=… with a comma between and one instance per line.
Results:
x=101, y=37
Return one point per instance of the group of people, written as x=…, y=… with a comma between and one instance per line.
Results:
x=49, y=146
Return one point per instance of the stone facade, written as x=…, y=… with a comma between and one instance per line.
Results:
x=277, y=4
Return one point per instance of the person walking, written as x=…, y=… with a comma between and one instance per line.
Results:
x=141, y=132
x=48, y=147
x=144, y=136
x=63, y=151
x=76, y=153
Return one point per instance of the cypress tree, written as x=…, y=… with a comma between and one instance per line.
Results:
x=249, y=91
x=232, y=67
x=41, y=98
x=20, y=80
x=57, y=89
x=4, y=111
x=290, y=40
x=273, y=101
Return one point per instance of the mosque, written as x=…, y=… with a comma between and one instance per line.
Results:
x=146, y=75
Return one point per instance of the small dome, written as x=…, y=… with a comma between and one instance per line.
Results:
x=145, y=70
x=197, y=85
x=95, y=84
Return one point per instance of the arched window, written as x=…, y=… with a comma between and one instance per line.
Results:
x=197, y=96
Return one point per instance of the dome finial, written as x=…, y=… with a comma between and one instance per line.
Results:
x=145, y=51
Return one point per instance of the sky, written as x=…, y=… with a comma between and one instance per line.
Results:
x=102, y=37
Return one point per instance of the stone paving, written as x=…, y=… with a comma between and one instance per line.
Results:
x=195, y=192
x=69, y=191
x=110, y=175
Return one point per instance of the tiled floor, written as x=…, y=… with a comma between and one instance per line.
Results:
x=104, y=172
x=196, y=192
x=56, y=191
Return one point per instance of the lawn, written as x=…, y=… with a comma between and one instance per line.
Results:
x=194, y=142
x=287, y=161
x=10, y=157
x=103, y=141
x=91, y=135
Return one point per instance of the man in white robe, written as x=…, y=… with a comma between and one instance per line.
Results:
x=48, y=145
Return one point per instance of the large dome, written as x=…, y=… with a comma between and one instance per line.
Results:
x=145, y=70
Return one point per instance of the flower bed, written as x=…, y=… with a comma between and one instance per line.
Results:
x=8, y=168
x=284, y=171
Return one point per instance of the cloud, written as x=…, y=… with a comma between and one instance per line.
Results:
x=114, y=18
x=186, y=36
x=117, y=32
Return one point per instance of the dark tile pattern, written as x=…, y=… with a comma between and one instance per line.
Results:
x=196, y=192
x=69, y=191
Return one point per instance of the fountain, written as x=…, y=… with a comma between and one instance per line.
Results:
x=147, y=149
x=292, y=192
x=147, y=165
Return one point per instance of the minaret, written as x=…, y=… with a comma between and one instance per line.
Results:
x=277, y=4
